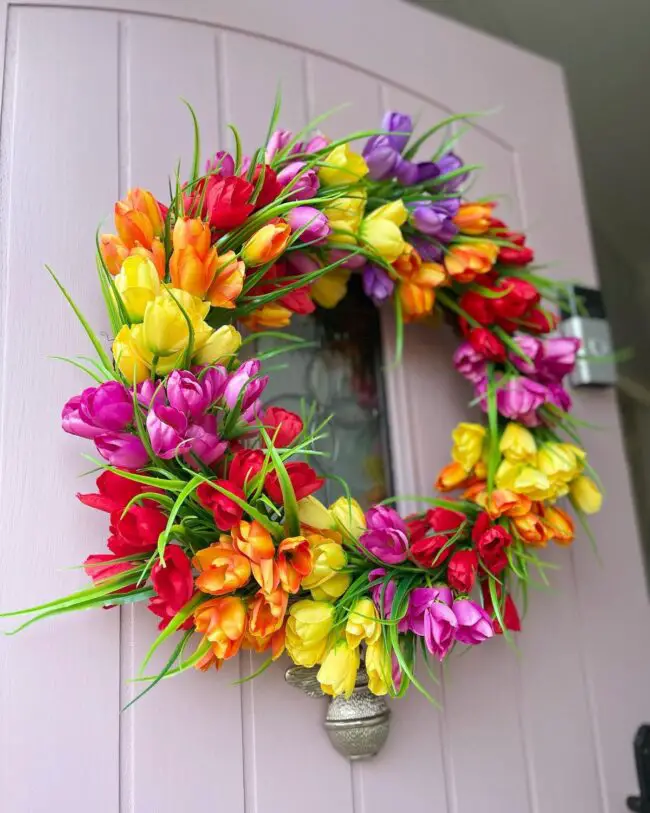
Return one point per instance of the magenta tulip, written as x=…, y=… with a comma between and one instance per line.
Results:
x=440, y=625
x=73, y=423
x=213, y=381
x=474, y=624
x=304, y=181
x=469, y=363
x=167, y=428
x=108, y=406
x=312, y=225
x=419, y=602
x=122, y=450
x=383, y=594
x=244, y=388
x=204, y=442
x=186, y=394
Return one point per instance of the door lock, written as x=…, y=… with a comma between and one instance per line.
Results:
x=641, y=803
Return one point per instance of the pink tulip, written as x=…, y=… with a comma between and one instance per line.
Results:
x=474, y=623
x=306, y=180
x=312, y=224
x=72, y=421
x=204, y=442
x=186, y=394
x=150, y=393
x=420, y=600
x=383, y=594
x=122, y=450
x=213, y=381
x=167, y=428
x=109, y=406
x=440, y=625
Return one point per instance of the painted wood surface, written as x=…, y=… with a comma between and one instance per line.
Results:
x=90, y=106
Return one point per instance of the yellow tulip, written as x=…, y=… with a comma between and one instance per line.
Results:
x=347, y=210
x=165, y=328
x=128, y=358
x=468, y=444
x=271, y=315
x=523, y=479
x=474, y=218
x=308, y=628
x=517, y=444
x=383, y=237
x=220, y=347
x=343, y=166
x=267, y=244
x=558, y=462
x=326, y=581
x=378, y=668
x=338, y=674
x=395, y=211
x=138, y=285
x=363, y=624
x=586, y=494
x=313, y=514
x=330, y=289
x=349, y=516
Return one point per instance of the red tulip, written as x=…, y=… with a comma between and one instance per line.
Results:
x=173, y=584
x=303, y=479
x=487, y=344
x=114, y=492
x=101, y=566
x=540, y=321
x=299, y=301
x=428, y=551
x=461, y=570
x=245, y=465
x=480, y=308
x=282, y=426
x=226, y=201
x=270, y=186
x=509, y=610
x=225, y=511
x=491, y=541
x=137, y=530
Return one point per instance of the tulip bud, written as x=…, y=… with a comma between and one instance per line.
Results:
x=517, y=444
x=267, y=244
x=417, y=301
x=138, y=284
x=313, y=514
x=383, y=237
x=221, y=346
x=193, y=263
x=395, y=212
x=363, y=623
x=227, y=282
x=165, y=329
x=271, y=315
x=308, y=628
x=304, y=181
x=468, y=444
x=138, y=218
x=474, y=218
x=129, y=359
x=325, y=580
x=122, y=450
x=330, y=289
x=342, y=166
x=113, y=252
x=378, y=667
x=311, y=224
x=586, y=495
x=349, y=516
x=338, y=673
x=559, y=524
x=452, y=476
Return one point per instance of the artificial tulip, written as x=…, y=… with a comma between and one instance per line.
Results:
x=523, y=479
x=560, y=525
x=531, y=529
x=223, y=623
x=221, y=503
x=467, y=260
x=267, y=244
x=308, y=628
x=108, y=407
x=173, y=584
x=363, y=624
x=461, y=570
x=329, y=290
x=271, y=315
x=384, y=237
x=349, y=517
x=450, y=477
x=474, y=218
x=517, y=444
x=193, y=262
x=253, y=540
x=585, y=494
x=378, y=668
x=310, y=224
x=338, y=672
x=266, y=613
x=138, y=218
x=128, y=356
x=468, y=444
x=221, y=568
x=222, y=346
x=341, y=167
x=165, y=331
x=282, y=426
x=138, y=285
x=416, y=301
x=327, y=579
x=295, y=562
x=227, y=282
x=113, y=252
x=304, y=482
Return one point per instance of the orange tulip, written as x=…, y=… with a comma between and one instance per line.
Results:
x=474, y=218
x=451, y=477
x=531, y=529
x=276, y=642
x=503, y=502
x=416, y=301
x=266, y=613
x=559, y=524
x=272, y=315
x=208, y=660
x=432, y=275
x=267, y=244
x=476, y=492
x=223, y=569
x=408, y=263
x=138, y=218
x=294, y=562
x=156, y=255
x=228, y=281
x=255, y=542
x=113, y=251
x=223, y=622
x=193, y=263
x=466, y=260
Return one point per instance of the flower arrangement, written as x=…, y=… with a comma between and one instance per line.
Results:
x=213, y=518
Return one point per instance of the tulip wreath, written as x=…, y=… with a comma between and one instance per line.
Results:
x=214, y=522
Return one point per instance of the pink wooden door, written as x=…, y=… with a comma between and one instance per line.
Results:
x=90, y=106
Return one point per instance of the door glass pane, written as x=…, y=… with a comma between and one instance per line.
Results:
x=340, y=376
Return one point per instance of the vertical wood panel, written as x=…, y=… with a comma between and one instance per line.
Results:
x=60, y=681
x=186, y=734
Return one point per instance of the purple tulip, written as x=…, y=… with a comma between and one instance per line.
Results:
x=427, y=171
x=278, y=141
x=204, y=441
x=440, y=625
x=316, y=143
x=73, y=423
x=532, y=347
x=312, y=224
x=429, y=251
x=223, y=163
x=109, y=406
x=354, y=260
x=558, y=357
x=383, y=594
x=474, y=624
x=435, y=219
x=420, y=600
x=469, y=363
x=377, y=284
x=519, y=398
x=306, y=183
x=167, y=428
x=213, y=382
x=383, y=518
x=396, y=672
x=406, y=172
x=300, y=262
x=447, y=163
x=558, y=396
x=242, y=381
x=150, y=393
x=400, y=127
x=186, y=394
x=122, y=450
x=381, y=157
